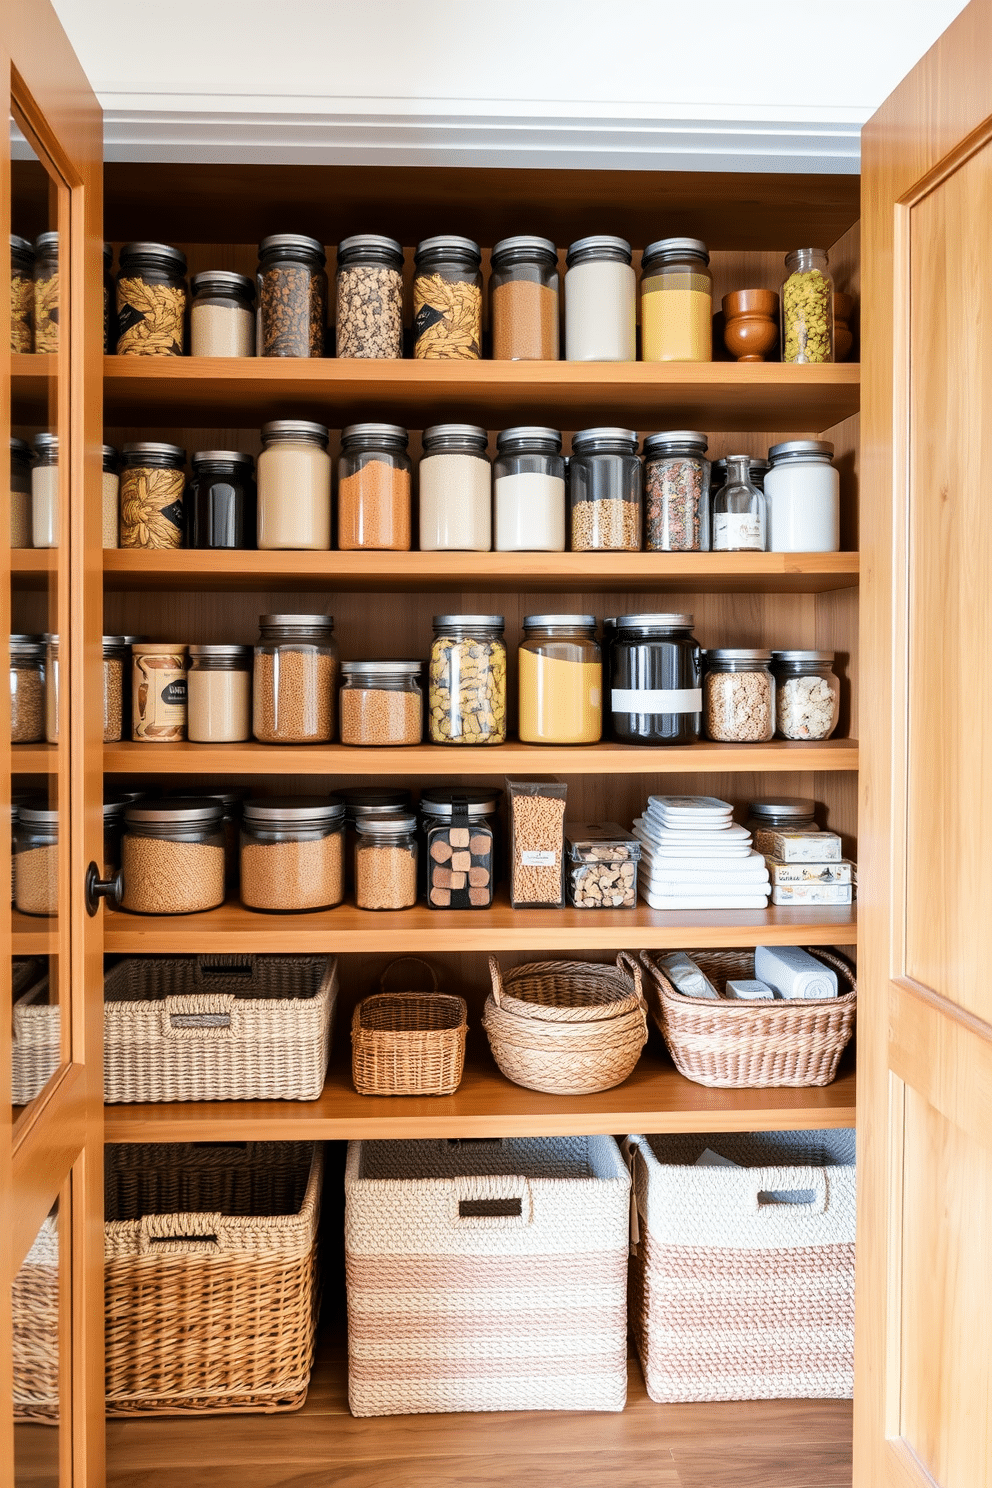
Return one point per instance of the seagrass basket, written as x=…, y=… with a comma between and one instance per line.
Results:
x=34, y=1300
x=408, y=1042
x=37, y=1029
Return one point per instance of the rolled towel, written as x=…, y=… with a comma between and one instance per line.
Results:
x=793, y=973
x=686, y=977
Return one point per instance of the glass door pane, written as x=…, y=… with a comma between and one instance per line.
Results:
x=38, y=1296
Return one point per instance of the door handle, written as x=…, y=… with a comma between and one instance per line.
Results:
x=97, y=888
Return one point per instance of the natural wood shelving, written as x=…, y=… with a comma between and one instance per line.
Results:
x=33, y=759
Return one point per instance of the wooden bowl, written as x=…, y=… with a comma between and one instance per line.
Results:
x=750, y=324
x=843, y=335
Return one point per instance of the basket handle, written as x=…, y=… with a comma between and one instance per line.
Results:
x=207, y=967
x=180, y=1234
x=200, y=1015
x=416, y=961
x=496, y=977
x=493, y=1201
x=793, y=1181
x=626, y=962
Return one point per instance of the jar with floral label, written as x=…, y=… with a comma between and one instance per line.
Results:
x=151, y=300
x=738, y=511
x=152, y=491
x=447, y=300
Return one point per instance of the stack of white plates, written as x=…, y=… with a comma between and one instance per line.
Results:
x=693, y=856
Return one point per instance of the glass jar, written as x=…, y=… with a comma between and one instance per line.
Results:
x=529, y=491
x=676, y=302
x=605, y=491
x=292, y=854
x=130, y=641
x=807, y=307
x=655, y=680
x=218, y=701
x=46, y=292
x=109, y=302
x=381, y=703
x=113, y=829
x=467, y=695
x=370, y=297
x=294, y=486
x=158, y=692
x=757, y=469
x=739, y=696
x=600, y=301
x=110, y=497
x=220, y=503
x=172, y=856
x=779, y=814
x=27, y=689
x=21, y=294
x=222, y=315
x=524, y=300
x=116, y=660
x=807, y=705
x=21, y=518
x=53, y=709
x=738, y=511
x=459, y=837
x=152, y=491
x=447, y=300
x=367, y=801
x=561, y=675
x=36, y=860
x=292, y=296
x=676, y=492
x=45, y=513
x=802, y=493
x=231, y=805
x=296, y=678
x=455, y=490
x=386, y=862
x=151, y=300
x=375, y=493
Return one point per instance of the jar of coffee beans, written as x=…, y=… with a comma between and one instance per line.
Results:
x=172, y=856
x=467, y=697
x=370, y=297
x=292, y=296
x=386, y=862
x=459, y=838
x=295, y=680
x=292, y=854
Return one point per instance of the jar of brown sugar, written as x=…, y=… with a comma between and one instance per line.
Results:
x=116, y=658
x=374, y=488
x=219, y=694
x=524, y=291
x=295, y=682
x=370, y=297
x=172, y=856
x=292, y=854
x=36, y=860
x=386, y=862
x=381, y=702
x=292, y=296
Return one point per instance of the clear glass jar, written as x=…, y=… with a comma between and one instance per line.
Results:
x=605, y=491
x=220, y=502
x=529, y=491
x=292, y=296
x=386, y=862
x=676, y=302
x=45, y=510
x=467, y=693
x=152, y=492
x=807, y=705
x=370, y=298
x=109, y=302
x=36, y=860
x=656, y=680
x=375, y=488
x=46, y=292
x=21, y=519
x=21, y=294
x=218, y=701
x=110, y=497
x=292, y=854
x=222, y=315
x=231, y=805
x=739, y=696
x=381, y=703
x=757, y=469
x=447, y=300
x=113, y=829
x=116, y=661
x=676, y=492
x=151, y=300
x=779, y=814
x=296, y=679
x=27, y=689
x=294, y=486
x=53, y=706
x=807, y=307
x=524, y=300
x=459, y=839
x=560, y=674
x=158, y=692
x=600, y=301
x=367, y=801
x=172, y=856
x=455, y=490
x=738, y=511
x=802, y=493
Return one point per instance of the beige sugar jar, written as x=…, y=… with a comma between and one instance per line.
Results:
x=218, y=703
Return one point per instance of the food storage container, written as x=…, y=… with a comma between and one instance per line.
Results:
x=655, y=680
x=116, y=662
x=292, y=853
x=36, y=859
x=807, y=308
x=605, y=491
x=381, y=702
x=222, y=315
x=808, y=698
x=113, y=827
x=757, y=470
x=292, y=297
x=220, y=502
x=218, y=702
x=294, y=486
x=455, y=490
x=529, y=491
x=45, y=512
x=537, y=843
x=295, y=682
x=374, y=488
x=53, y=706
x=21, y=294
x=524, y=300
x=158, y=691
x=739, y=696
x=152, y=491
x=802, y=496
x=27, y=689
x=110, y=500
x=600, y=301
x=46, y=292
x=151, y=300
x=172, y=856
x=370, y=297
x=447, y=299
x=20, y=494
x=560, y=675
x=601, y=865
x=739, y=511
x=467, y=690
x=231, y=804
x=676, y=492
x=676, y=302
x=367, y=800
x=386, y=862
x=779, y=814
x=459, y=827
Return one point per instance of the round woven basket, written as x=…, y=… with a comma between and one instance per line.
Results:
x=568, y=991
x=409, y=1042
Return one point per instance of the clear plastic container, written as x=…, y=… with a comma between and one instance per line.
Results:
x=807, y=308
x=802, y=494
x=222, y=315
x=447, y=300
x=36, y=860
x=116, y=662
x=537, y=843
x=21, y=294
x=739, y=524
x=46, y=292
x=600, y=301
x=294, y=486
x=386, y=862
x=467, y=688
x=172, y=856
x=560, y=678
x=152, y=492
x=296, y=678
x=27, y=689
x=739, y=696
x=375, y=496
x=20, y=494
x=220, y=502
x=292, y=854
x=218, y=700
x=459, y=827
x=605, y=491
x=455, y=490
x=370, y=297
x=601, y=869
x=655, y=680
x=151, y=300
x=676, y=492
x=676, y=302
x=529, y=491
x=807, y=703
x=381, y=703
x=524, y=300
x=292, y=296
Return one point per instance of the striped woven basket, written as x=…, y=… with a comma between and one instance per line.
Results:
x=408, y=1043
x=35, y=1315
x=36, y=1048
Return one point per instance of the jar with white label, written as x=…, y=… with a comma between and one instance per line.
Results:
x=158, y=692
x=20, y=494
x=802, y=494
x=774, y=814
x=294, y=486
x=529, y=491
x=110, y=497
x=455, y=490
x=45, y=492
x=222, y=315
x=738, y=511
x=600, y=301
x=219, y=694
x=655, y=680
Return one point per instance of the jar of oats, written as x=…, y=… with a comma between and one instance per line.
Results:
x=605, y=491
x=739, y=696
x=370, y=297
x=386, y=862
x=27, y=689
x=116, y=659
x=172, y=856
x=36, y=860
x=447, y=300
x=292, y=854
x=467, y=696
x=296, y=678
x=381, y=702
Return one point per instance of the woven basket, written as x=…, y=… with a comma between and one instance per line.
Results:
x=566, y=1027
x=193, y=1028
x=210, y=1276
x=36, y=1049
x=408, y=1043
x=752, y=1044
x=35, y=1314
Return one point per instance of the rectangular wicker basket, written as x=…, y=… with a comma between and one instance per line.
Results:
x=36, y=1048
x=408, y=1042
x=34, y=1300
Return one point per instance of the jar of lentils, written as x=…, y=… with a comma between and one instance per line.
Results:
x=467, y=693
x=220, y=502
x=292, y=854
x=231, y=805
x=455, y=490
x=529, y=491
x=292, y=296
x=370, y=297
x=386, y=862
x=655, y=680
x=116, y=663
x=524, y=300
x=20, y=494
x=151, y=300
x=21, y=294
x=447, y=300
x=807, y=704
x=152, y=490
x=222, y=315
x=739, y=696
x=374, y=488
x=27, y=689
x=381, y=703
x=172, y=856
x=676, y=492
x=296, y=677
x=605, y=491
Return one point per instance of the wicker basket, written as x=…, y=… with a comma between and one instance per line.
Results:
x=193, y=1028
x=752, y=1044
x=566, y=1027
x=36, y=1050
x=408, y=1043
x=35, y=1315
x=210, y=1276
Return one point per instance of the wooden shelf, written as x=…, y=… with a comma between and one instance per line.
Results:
x=33, y=568
x=32, y=390
x=33, y=759
x=33, y=935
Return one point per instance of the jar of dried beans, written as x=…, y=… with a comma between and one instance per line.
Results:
x=605, y=491
x=152, y=491
x=370, y=297
x=292, y=854
x=21, y=294
x=45, y=509
x=116, y=660
x=655, y=680
x=172, y=856
x=110, y=497
x=459, y=839
x=808, y=701
x=374, y=488
x=561, y=675
x=46, y=292
x=294, y=486
x=222, y=315
x=219, y=694
x=20, y=494
x=151, y=300
x=524, y=300
x=529, y=491
x=36, y=860
x=158, y=692
x=296, y=677
x=27, y=689
x=220, y=503
x=467, y=697
x=676, y=492
x=381, y=702
x=292, y=296
x=455, y=490
x=386, y=862
x=807, y=308
x=676, y=302
x=600, y=301
x=447, y=300
x=739, y=696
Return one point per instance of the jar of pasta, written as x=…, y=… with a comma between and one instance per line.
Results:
x=152, y=491
x=151, y=300
x=46, y=292
x=676, y=302
x=21, y=294
x=447, y=300
x=292, y=296
x=467, y=697
x=370, y=297
x=524, y=300
x=561, y=672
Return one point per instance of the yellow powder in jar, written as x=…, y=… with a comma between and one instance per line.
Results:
x=561, y=702
x=676, y=324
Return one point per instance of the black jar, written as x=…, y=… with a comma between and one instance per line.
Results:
x=656, y=680
x=292, y=296
x=220, y=502
x=151, y=300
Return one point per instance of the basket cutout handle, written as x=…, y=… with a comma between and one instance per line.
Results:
x=478, y=1143
x=186, y=1234
x=490, y=1208
x=224, y=966
x=626, y=962
x=416, y=961
x=805, y=1191
x=199, y=1015
x=492, y=1201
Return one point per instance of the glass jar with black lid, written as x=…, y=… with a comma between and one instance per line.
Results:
x=172, y=855
x=36, y=859
x=27, y=689
x=447, y=300
x=459, y=846
x=292, y=296
x=370, y=297
x=375, y=488
x=605, y=491
x=524, y=300
x=655, y=680
x=151, y=300
x=529, y=491
x=220, y=502
x=774, y=814
x=222, y=314
x=292, y=854
x=20, y=494
x=676, y=492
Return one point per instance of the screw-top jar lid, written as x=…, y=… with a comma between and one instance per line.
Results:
x=21, y=246
x=20, y=449
x=114, y=808
x=782, y=806
x=601, y=246
x=114, y=642
x=737, y=653
x=236, y=653
x=293, y=246
x=454, y=436
x=135, y=640
x=381, y=668
x=469, y=800
x=757, y=467
x=157, y=254
x=111, y=459
x=292, y=430
x=793, y=259
x=33, y=814
x=667, y=249
x=654, y=622
x=373, y=799
x=676, y=442
x=370, y=246
x=222, y=281
x=529, y=436
x=153, y=452
x=604, y=441
x=46, y=242
x=469, y=622
x=230, y=800
x=803, y=656
x=46, y=447
x=27, y=647
x=372, y=436
x=447, y=245
x=299, y=622
x=569, y=622
x=293, y=810
x=385, y=826
x=801, y=449
x=221, y=457
x=524, y=249
x=177, y=811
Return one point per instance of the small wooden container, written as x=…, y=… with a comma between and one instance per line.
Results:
x=750, y=329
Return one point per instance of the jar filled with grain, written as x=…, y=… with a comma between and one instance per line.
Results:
x=296, y=678
x=455, y=490
x=676, y=492
x=36, y=860
x=20, y=494
x=218, y=700
x=231, y=804
x=381, y=703
x=370, y=297
x=292, y=854
x=367, y=801
x=45, y=508
x=656, y=692
x=447, y=300
x=605, y=491
x=459, y=838
x=386, y=862
x=110, y=499
x=294, y=486
x=292, y=296
x=524, y=300
x=109, y=302
x=561, y=674
x=220, y=502
x=116, y=660
x=467, y=693
x=600, y=301
x=807, y=703
x=152, y=492
x=151, y=300
x=46, y=292
x=222, y=315
x=529, y=491
x=676, y=302
x=21, y=294
x=807, y=308
x=27, y=689
x=738, y=696
x=53, y=691
x=739, y=511
x=158, y=692
x=172, y=856
x=374, y=488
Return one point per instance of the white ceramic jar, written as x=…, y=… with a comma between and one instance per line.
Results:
x=600, y=301
x=455, y=490
x=802, y=496
x=294, y=486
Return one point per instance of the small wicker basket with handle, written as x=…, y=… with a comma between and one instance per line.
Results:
x=409, y=1042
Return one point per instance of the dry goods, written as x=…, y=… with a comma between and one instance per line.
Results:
x=36, y=880
x=221, y=330
x=46, y=311
x=151, y=507
x=219, y=705
x=525, y=321
x=467, y=696
x=294, y=697
x=21, y=309
x=370, y=313
x=110, y=506
x=537, y=830
x=27, y=704
x=607, y=879
x=150, y=318
x=605, y=524
x=163, y=877
x=561, y=702
x=113, y=698
x=380, y=715
x=308, y=874
x=447, y=316
x=738, y=706
x=158, y=692
x=460, y=867
x=806, y=315
x=21, y=518
x=374, y=508
x=385, y=876
x=455, y=502
x=805, y=708
x=293, y=311
x=675, y=491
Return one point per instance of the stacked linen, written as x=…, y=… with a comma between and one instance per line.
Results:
x=693, y=856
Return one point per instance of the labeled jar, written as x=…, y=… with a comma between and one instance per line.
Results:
x=172, y=856
x=53, y=691
x=524, y=300
x=757, y=470
x=779, y=814
x=529, y=491
x=220, y=502
x=292, y=854
x=21, y=518
x=21, y=294
x=27, y=689
x=109, y=302
x=560, y=676
x=36, y=860
x=807, y=308
x=386, y=862
x=656, y=680
x=739, y=696
x=296, y=678
x=110, y=497
x=738, y=511
x=807, y=704
x=151, y=300
x=222, y=315
x=46, y=292
x=45, y=509
x=370, y=297
x=467, y=691
x=367, y=801
x=447, y=300
x=231, y=804
x=600, y=301
x=218, y=703
x=294, y=486
x=605, y=491
x=459, y=835
x=375, y=495
x=381, y=703
x=676, y=492
x=455, y=490
x=292, y=296
x=158, y=692
x=676, y=302
x=802, y=494
x=152, y=490
x=116, y=661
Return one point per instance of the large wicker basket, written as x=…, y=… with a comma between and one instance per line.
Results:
x=35, y=1314
x=408, y=1043
x=36, y=1049
x=752, y=1044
